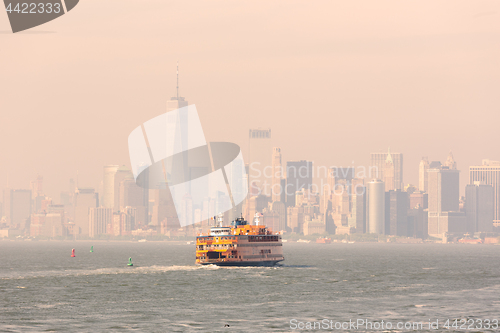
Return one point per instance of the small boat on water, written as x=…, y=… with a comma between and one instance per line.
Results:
x=324, y=240
x=142, y=241
x=303, y=241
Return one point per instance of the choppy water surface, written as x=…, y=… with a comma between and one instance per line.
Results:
x=43, y=289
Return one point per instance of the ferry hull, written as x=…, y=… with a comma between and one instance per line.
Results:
x=243, y=263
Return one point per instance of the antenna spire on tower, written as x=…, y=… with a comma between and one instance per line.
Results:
x=177, y=80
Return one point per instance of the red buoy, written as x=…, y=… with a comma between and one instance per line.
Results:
x=73, y=252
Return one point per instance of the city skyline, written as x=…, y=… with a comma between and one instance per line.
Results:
x=336, y=207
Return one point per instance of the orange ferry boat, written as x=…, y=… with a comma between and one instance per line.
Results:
x=324, y=240
x=240, y=244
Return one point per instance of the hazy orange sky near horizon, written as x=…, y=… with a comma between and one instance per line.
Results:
x=334, y=80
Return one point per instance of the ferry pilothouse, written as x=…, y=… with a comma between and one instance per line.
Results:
x=240, y=244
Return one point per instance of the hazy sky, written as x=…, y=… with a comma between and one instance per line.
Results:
x=335, y=80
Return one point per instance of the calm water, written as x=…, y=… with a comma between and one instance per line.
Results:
x=43, y=289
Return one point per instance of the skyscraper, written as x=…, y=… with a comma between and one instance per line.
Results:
x=389, y=174
x=479, y=207
x=489, y=174
x=37, y=187
x=443, y=190
x=443, y=202
x=391, y=163
x=339, y=181
x=85, y=198
x=176, y=102
x=259, y=159
x=376, y=206
x=277, y=175
x=396, y=213
x=108, y=197
x=358, y=210
x=450, y=162
x=422, y=174
x=298, y=177
x=121, y=174
x=164, y=211
x=132, y=195
x=20, y=208
x=6, y=203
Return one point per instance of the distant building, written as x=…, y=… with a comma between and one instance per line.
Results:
x=108, y=197
x=387, y=167
x=418, y=199
x=50, y=223
x=116, y=226
x=489, y=174
x=121, y=174
x=85, y=198
x=176, y=102
x=279, y=209
x=277, y=175
x=298, y=177
x=164, y=208
x=36, y=187
x=259, y=160
x=37, y=224
x=417, y=223
x=314, y=226
x=450, y=162
x=390, y=174
x=295, y=218
x=479, y=207
x=6, y=204
x=443, y=201
x=340, y=183
x=358, y=211
x=376, y=206
x=99, y=218
x=345, y=230
x=20, y=208
x=422, y=174
x=54, y=225
x=257, y=204
x=113, y=193
x=132, y=195
x=396, y=213
x=443, y=190
x=271, y=220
